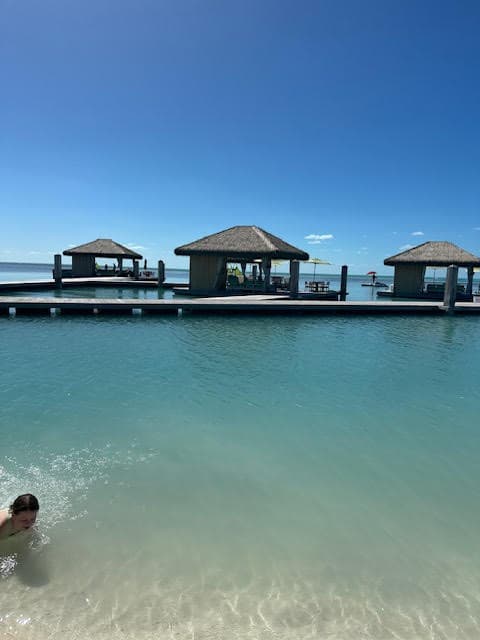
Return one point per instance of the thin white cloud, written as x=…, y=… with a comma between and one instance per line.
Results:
x=476, y=228
x=417, y=233
x=134, y=246
x=405, y=247
x=316, y=238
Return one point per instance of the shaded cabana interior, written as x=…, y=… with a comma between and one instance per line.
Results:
x=84, y=257
x=242, y=245
x=410, y=267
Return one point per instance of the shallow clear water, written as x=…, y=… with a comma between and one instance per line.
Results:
x=209, y=477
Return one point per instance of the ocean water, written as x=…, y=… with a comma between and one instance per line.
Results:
x=252, y=477
x=16, y=272
x=11, y=272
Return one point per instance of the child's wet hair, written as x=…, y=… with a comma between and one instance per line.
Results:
x=25, y=502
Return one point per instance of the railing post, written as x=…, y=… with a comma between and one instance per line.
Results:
x=450, y=289
x=470, y=281
x=57, y=270
x=161, y=272
x=294, y=278
x=343, y=283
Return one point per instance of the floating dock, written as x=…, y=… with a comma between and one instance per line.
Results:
x=72, y=283
x=255, y=304
x=270, y=303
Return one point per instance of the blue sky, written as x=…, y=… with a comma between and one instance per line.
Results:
x=350, y=129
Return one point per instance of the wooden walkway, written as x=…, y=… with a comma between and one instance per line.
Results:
x=71, y=283
x=255, y=304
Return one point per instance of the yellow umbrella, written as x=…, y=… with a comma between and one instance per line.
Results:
x=276, y=263
x=316, y=261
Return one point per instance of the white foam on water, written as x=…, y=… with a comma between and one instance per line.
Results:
x=62, y=481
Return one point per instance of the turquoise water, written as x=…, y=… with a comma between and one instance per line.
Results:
x=209, y=477
x=10, y=272
x=16, y=272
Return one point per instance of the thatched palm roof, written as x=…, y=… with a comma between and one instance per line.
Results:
x=435, y=254
x=242, y=242
x=103, y=248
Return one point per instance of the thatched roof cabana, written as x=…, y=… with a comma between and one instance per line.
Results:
x=103, y=248
x=242, y=244
x=435, y=254
x=83, y=256
x=410, y=265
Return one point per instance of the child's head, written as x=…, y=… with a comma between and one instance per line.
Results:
x=24, y=511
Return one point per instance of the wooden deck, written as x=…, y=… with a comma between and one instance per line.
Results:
x=257, y=304
x=71, y=283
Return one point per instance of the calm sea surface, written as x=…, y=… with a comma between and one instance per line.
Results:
x=11, y=272
x=253, y=477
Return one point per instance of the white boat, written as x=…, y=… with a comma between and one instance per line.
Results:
x=374, y=284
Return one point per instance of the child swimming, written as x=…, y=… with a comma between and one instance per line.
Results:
x=19, y=517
